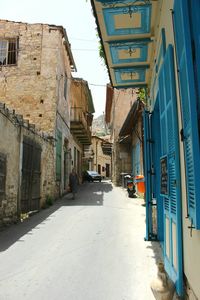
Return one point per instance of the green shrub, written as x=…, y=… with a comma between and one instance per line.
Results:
x=49, y=201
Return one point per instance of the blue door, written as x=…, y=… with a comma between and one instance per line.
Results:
x=156, y=153
x=152, y=152
x=147, y=174
x=187, y=35
x=170, y=171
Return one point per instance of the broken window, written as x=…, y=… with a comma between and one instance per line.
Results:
x=8, y=51
x=2, y=177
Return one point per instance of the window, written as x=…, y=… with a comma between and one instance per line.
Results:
x=8, y=51
x=2, y=176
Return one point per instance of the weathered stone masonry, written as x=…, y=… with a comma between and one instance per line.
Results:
x=37, y=86
x=13, y=130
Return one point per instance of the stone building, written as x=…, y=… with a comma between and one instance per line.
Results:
x=101, y=159
x=35, y=76
x=118, y=105
x=81, y=116
x=131, y=144
x=27, y=176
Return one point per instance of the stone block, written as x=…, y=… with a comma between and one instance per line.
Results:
x=162, y=287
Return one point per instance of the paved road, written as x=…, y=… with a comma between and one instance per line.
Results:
x=91, y=248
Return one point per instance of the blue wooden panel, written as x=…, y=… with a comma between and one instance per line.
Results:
x=156, y=153
x=170, y=148
x=133, y=161
x=129, y=49
x=194, y=9
x=131, y=75
x=137, y=152
x=109, y=17
x=110, y=2
x=147, y=174
x=189, y=112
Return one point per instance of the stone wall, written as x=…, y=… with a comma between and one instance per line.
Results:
x=29, y=87
x=10, y=148
x=13, y=130
x=38, y=86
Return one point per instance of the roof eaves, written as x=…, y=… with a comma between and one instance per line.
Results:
x=101, y=39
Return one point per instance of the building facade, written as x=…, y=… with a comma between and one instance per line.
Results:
x=101, y=158
x=131, y=143
x=155, y=45
x=118, y=105
x=27, y=179
x=35, y=66
x=81, y=116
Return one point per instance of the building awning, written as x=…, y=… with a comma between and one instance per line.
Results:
x=126, y=29
x=132, y=118
x=109, y=99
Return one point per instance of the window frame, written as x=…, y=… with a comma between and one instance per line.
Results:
x=10, y=55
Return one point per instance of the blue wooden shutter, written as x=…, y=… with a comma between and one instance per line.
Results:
x=194, y=9
x=190, y=133
x=133, y=160
x=170, y=150
x=137, y=160
x=147, y=174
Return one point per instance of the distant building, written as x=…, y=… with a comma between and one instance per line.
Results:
x=101, y=156
x=118, y=105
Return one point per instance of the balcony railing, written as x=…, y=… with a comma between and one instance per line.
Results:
x=106, y=148
x=79, y=125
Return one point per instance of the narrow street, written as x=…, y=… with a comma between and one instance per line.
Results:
x=91, y=248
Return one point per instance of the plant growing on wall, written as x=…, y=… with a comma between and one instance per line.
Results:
x=102, y=53
x=142, y=94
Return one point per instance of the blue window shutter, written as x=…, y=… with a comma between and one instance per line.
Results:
x=188, y=106
x=147, y=174
x=170, y=150
x=133, y=161
x=138, y=158
x=194, y=9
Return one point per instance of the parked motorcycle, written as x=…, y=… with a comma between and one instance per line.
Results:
x=130, y=186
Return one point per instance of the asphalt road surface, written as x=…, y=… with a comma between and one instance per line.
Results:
x=90, y=248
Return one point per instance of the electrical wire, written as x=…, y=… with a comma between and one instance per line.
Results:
x=85, y=49
x=84, y=40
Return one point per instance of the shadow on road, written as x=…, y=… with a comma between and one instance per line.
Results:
x=157, y=251
x=89, y=194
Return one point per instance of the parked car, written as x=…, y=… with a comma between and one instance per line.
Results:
x=92, y=176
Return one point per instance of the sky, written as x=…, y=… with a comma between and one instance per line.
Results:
x=77, y=18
